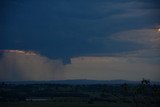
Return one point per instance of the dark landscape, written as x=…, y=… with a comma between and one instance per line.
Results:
x=66, y=93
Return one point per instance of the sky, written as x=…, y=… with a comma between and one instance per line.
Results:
x=79, y=39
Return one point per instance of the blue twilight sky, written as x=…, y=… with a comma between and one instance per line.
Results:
x=67, y=29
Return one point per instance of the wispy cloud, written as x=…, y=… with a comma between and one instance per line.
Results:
x=148, y=40
x=147, y=37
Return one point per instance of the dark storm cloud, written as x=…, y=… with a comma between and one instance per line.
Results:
x=104, y=39
x=68, y=28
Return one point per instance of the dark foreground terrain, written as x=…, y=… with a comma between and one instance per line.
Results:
x=143, y=94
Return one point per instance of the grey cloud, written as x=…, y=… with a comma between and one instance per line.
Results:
x=17, y=66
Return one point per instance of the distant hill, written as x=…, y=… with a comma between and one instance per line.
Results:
x=80, y=81
x=84, y=81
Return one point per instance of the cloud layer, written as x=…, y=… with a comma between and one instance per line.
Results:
x=18, y=65
x=109, y=68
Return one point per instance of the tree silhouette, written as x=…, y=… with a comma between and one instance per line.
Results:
x=145, y=82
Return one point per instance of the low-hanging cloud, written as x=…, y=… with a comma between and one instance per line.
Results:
x=23, y=65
